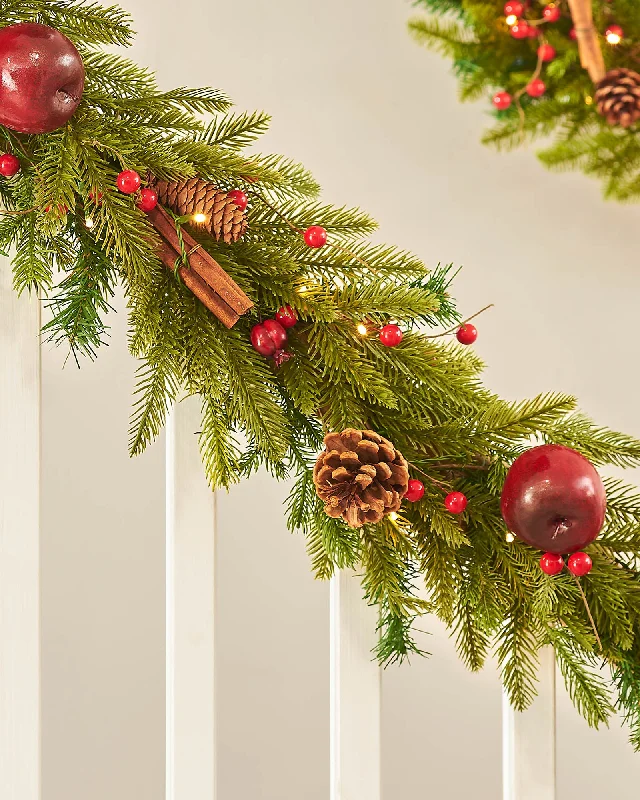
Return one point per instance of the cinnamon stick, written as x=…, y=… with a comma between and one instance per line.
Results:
x=201, y=262
x=200, y=289
x=591, y=57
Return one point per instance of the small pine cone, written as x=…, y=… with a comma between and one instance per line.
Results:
x=618, y=97
x=360, y=476
x=225, y=221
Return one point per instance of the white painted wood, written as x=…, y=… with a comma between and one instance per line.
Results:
x=19, y=542
x=190, y=561
x=529, y=740
x=354, y=695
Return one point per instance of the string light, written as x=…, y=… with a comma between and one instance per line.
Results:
x=588, y=100
x=614, y=34
x=362, y=329
x=509, y=537
x=511, y=20
x=89, y=223
x=393, y=516
x=199, y=217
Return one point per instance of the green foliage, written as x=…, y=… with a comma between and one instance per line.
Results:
x=486, y=59
x=69, y=228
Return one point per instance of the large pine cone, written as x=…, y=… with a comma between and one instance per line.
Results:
x=360, y=476
x=225, y=221
x=618, y=97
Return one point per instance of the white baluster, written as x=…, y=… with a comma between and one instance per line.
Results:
x=19, y=542
x=190, y=712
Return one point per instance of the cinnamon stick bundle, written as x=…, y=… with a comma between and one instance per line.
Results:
x=591, y=57
x=204, y=276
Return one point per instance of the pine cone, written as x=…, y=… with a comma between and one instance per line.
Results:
x=360, y=476
x=225, y=221
x=618, y=97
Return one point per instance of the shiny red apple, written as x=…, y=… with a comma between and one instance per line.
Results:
x=42, y=78
x=554, y=499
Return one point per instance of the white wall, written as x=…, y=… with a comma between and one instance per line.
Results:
x=378, y=122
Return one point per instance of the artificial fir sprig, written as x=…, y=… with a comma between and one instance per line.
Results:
x=425, y=394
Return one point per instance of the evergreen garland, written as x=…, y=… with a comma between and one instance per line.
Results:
x=486, y=60
x=425, y=395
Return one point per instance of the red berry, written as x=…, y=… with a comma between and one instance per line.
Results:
x=239, y=198
x=286, y=316
x=95, y=197
x=61, y=209
x=513, y=8
x=261, y=341
x=533, y=32
x=536, y=88
x=390, y=335
x=520, y=30
x=315, y=236
x=552, y=563
x=502, y=100
x=551, y=13
x=467, y=334
x=546, y=52
x=415, y=491
x=579, y=564
x=148, y=199
x=128, y=181
x=455, y=502
x=277, y=333
x=572, y=34
x=9, y=165
x=614, y=34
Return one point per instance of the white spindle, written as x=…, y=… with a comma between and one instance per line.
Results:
x=355, y=694
x=190, y=561
x=529, y=741
x=19, y=542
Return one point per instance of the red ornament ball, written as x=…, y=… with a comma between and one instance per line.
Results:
x=148, y=199
x=415, y=491
x=553, y=499
x=42, y=78
x=501, y=100
x=9, y=165
x=573, y=35
x=239, y=198
x=267, y=337
x=315, y=236
x=551, y=13
x=455, y=502
x=520, y=30
x=390, y=335
x=546, y=52
x=286, y=316
x=467, y=334
x=513, y=8
x=536, y=88
x=614, y=34
x=533, y=32
x=579, y=564
x=552, y=563
x=128, y=181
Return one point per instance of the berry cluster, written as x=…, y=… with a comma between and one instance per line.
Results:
x=578, y=564
x=270, y=337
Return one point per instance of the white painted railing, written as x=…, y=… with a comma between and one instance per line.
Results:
x=19, y=542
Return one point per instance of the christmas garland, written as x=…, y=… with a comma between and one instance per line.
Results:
x=316, y=355
x=566, y=69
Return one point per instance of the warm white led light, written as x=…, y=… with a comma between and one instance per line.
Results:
x=89, y=223
x=509, y=537
x=362, y=329
x=199, y=217
x=511, y=20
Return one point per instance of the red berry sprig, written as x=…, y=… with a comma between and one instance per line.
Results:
x=9, y=165
x=286, y=316
x=239, y=198
x=536, y=88
x=390, y=335
x=415, y=491
x=520, y=30
x=455, y=502
x=269, y=339
x=579, y=564
x=551, y=563
x=551, y=13
x=148, y=199
x=467, y=334
x=513, y=8
x=502, y=100
x=546, y=52
x=128, y=181
x=315, y=236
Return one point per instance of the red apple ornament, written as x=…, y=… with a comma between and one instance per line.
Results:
x=42, y=78
x=553, y=499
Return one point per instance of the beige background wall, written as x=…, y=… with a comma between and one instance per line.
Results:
x=377, y=120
